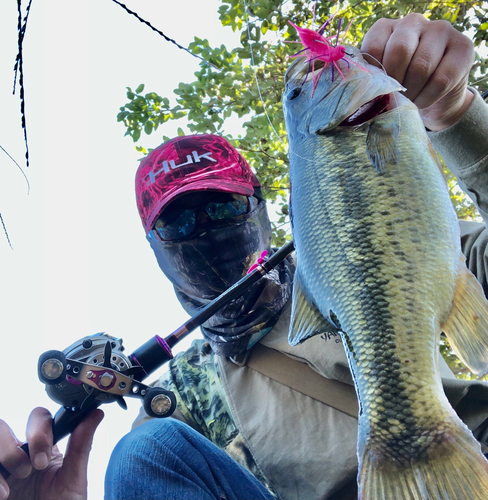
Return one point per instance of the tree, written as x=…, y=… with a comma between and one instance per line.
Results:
x=215, y=95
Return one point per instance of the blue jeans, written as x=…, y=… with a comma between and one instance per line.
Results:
x=165, y=459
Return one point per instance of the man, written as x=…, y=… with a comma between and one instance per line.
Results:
x=206, y=234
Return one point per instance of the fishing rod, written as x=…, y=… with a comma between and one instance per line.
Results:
x=94, y=370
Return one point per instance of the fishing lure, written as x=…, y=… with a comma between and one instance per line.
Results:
x=318, y=47
x=260, y=260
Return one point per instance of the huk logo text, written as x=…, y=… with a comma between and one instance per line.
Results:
x=193, y=158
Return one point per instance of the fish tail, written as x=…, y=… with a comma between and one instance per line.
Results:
x=456, y=470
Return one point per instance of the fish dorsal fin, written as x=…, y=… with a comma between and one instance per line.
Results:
x=306, y=320
x=381, y=145
x=467, y=324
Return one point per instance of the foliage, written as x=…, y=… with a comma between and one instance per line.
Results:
x=215, y=96
x=463, y=205
x=459, y=369
x=208, y=102
x=146, y=112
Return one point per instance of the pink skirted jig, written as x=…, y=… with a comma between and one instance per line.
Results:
x=260, y=260
x=316, y=46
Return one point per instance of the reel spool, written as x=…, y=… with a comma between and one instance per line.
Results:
x=94, y=370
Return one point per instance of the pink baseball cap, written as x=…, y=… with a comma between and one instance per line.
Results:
x=185, y=164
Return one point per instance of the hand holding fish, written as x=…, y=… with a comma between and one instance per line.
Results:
x=46, y=475
x=431, y=59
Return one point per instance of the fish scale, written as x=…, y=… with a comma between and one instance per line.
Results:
x=378, y=247
x=380, y=369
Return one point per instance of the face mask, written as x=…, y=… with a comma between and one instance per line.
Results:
x=204, y=266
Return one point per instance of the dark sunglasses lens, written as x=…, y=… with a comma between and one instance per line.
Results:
x=227, y=210
x=181, y=227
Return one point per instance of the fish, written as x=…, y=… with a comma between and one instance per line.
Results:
x=379, y=260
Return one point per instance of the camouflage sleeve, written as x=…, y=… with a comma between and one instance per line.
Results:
x=194, y=378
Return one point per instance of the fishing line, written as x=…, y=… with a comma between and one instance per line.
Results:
x=480, y=80
x=5, y=231
x=256, y=74
x=20, y=168
x=147, y=23
x=298, y=156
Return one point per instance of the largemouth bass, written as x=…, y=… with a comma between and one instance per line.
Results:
x=379, y=258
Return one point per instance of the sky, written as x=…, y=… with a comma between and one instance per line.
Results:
x=80, y=263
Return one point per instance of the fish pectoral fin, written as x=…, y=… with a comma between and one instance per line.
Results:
x=306, y=320
x=381, y=145
x=467, y=324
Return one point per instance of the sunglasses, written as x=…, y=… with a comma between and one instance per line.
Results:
x=184, y=223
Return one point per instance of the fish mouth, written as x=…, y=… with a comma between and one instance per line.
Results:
x=347, y=102
x=368, y=111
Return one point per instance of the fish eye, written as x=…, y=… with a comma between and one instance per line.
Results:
x=293, y=93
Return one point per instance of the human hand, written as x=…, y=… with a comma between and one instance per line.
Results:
x=431, y=59
x=46, y=475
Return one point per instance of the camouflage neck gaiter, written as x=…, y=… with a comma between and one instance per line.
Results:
x=203, y=267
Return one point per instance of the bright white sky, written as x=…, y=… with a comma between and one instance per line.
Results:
x=80, y=263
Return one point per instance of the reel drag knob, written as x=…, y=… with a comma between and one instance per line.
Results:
x=51, y=367
x=159, y=403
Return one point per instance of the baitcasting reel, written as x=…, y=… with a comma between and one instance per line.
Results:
x=94, y=370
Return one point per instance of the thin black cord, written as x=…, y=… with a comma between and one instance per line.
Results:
x=21, y=32
x=19, y=69
x=163, y=35
x=19, y=42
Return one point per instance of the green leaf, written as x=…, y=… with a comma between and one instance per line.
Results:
x=122, y=115
x=140, y=88
x=180, y=131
